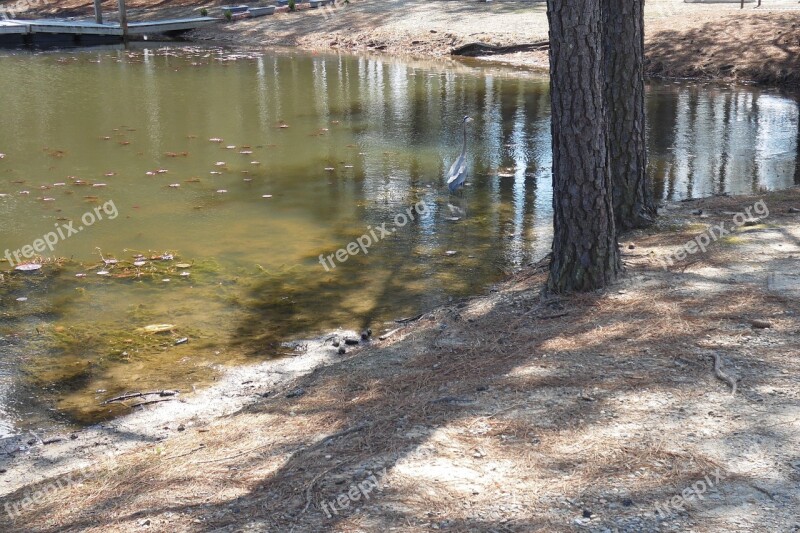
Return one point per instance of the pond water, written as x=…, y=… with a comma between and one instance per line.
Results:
x=214, y=181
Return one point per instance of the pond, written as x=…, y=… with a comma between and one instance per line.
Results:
x=210, y=190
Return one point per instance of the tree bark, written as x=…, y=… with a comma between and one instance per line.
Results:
x=585, y=254
x=623, y=41
x=797, y=159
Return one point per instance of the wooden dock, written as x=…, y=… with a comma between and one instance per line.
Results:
x=54, y=31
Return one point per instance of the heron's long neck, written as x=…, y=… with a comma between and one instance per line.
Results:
x=464, y=147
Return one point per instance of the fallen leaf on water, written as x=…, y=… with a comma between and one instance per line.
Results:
x=266, y=196
x=215, y=140
x=2, y=156
x=222, y=191
x=174, y=185
x=28, y=267
x=183, y=265
x=220, y=163
x=157, y=328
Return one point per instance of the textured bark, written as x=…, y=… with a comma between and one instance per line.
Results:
x=623, y=41
x=797, y=160
x=585, y=254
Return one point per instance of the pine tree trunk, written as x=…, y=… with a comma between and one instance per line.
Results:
x=585, y=254
x=623, y=41
x=797, y=159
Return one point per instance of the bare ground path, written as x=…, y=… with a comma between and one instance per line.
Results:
x=507, y=413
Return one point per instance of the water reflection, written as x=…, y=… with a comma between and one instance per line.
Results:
x=339, y=144
x=708, y=140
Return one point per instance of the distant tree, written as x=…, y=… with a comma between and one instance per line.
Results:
x=585, y=254
x=623, y=49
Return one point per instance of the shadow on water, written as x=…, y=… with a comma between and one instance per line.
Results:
x=309, y=153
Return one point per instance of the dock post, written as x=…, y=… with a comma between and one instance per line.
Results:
x=98, y=12
x=123, y=20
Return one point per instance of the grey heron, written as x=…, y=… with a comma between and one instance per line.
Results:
x=458, y=170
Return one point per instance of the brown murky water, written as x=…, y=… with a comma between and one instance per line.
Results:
x=242, y=169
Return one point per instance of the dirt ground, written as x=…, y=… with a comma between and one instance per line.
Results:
x=710, y=41
x=504, y=412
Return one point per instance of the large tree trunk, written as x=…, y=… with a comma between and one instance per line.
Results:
x=585, y=254
x=797, y=159
x=623, y=41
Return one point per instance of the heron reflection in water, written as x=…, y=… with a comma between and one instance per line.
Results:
x=457, y=175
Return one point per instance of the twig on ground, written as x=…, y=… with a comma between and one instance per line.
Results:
x=130, y=395
x=389, y=334
x=722, y=376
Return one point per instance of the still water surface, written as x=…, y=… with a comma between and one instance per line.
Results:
x=308, y=153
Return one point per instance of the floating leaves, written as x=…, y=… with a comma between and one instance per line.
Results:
x=215, y=140
x=157, y=328
x=28, y=267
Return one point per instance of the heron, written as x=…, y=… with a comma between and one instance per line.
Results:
x=458, y=170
